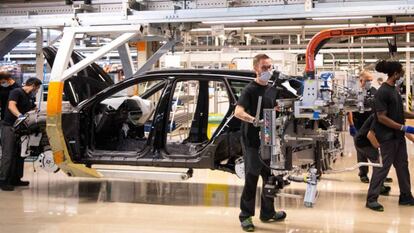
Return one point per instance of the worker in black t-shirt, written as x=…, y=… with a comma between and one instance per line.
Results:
x=390, y=132
x=367, y=145
x=246, y=110
x=357, y=119
x=7, y=84
x=20, y=102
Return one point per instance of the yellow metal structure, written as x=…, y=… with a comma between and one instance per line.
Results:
x=59, y=74
x=55, y=135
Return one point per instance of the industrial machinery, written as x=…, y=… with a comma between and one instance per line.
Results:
x=311, y=120
x=303, y=133
x=94, y=128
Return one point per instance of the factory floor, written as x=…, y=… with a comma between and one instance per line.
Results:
x=208, y=202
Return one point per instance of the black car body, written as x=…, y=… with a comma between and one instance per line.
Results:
x=106, y=122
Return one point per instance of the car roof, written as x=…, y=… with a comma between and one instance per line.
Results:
x=245, y=73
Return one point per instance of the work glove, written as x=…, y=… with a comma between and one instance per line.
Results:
x=352, y=130
x=407, y=129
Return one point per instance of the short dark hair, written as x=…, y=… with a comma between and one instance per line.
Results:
x=259, y=57
x=33, y=81
x=5, y=75
x=389, y=67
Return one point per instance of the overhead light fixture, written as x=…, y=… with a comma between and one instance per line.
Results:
x=299, y=27
x=379, y=38
x=338, y=18
x=230, y=21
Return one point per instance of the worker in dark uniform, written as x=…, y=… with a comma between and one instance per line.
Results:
x=20, y=102
x=390, y=132
x=357, y=119
x=7, y=84
x=246, y=110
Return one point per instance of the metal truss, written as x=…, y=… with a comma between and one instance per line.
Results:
x=60, y=73
x=195, y=11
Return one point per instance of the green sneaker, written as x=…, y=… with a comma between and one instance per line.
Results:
x=247, y=225
x=277, y=217
x=375, y=206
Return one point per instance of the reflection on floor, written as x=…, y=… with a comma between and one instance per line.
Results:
x=206, y=203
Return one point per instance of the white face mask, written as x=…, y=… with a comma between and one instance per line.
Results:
x=265, y=76
x=368, y=85
x=5, y=84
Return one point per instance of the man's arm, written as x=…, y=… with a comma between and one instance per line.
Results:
x=350, y=118
x=410, y=136
x=352, y=129
x=383, y=119
x=409, y=115
x=13, y=108
x=240, y=113
x=371, y=137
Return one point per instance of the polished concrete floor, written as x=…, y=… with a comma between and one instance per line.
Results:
x=206, y=203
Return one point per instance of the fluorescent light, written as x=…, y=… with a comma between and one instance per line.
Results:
x=230, y=21
x=298, y=27
x=349, y=17
x=250, y=28
x=379, y=38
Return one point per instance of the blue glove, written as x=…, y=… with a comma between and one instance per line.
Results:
x=407, y=129
x=352, y=130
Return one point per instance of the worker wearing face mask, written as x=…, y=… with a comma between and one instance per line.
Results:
x=357, y=119
x=7, y=84
x=246, y=110
x=389, y=131
x=20, y=102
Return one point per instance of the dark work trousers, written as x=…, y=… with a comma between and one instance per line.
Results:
x=248, y=198
x=362, y=157
x=11, y=161
x=393, y=152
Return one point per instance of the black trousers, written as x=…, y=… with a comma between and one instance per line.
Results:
x=362, y=157
x=12, y=163
x=393, y=152
x=248, y=198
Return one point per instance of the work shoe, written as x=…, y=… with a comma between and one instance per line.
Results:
x=388, y=180
x=21, y=183
x=247, y=225
x=364, y=179
x=7, y=187
x=277, y=217
x=408, y=201
x=374, y=205
x=385, y=190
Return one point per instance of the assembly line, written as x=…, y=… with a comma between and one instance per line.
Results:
x=151, y=106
